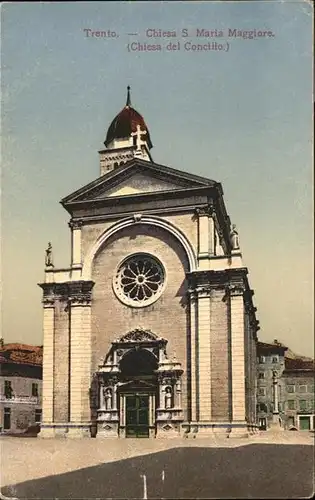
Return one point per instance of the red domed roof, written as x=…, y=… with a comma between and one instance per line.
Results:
x=126, y=122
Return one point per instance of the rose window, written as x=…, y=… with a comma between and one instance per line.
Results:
x=139, y=280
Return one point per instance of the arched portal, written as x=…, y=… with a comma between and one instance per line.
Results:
x=135, y=382
x=138, y=392
x=138, y=363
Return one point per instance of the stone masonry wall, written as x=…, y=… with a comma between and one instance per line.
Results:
x=188, y=224
x=185, y=222
x=21, y=386
x=22, y=416
x=167, y=317
x=90, y=233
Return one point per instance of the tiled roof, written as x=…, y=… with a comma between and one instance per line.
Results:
x=288, y=354
x=23, y=347
x=275, y=345
x=299, y=364
x=292, y=355
x=21, y=354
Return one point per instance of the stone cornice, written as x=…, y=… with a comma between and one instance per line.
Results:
x=134, y=199
x=113, y=151
x=218, y=279
x=177, y=210
x=233, y=282
x=72, y=292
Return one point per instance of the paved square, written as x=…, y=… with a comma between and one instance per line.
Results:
x=262, y=467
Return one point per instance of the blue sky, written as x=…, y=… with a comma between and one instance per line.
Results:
x=242, y=117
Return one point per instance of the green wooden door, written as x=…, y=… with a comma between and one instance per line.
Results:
x=305, y=423
x=137, y=415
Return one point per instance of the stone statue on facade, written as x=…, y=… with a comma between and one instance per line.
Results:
x=235, y=243
x=168, y=397
x=108, y=399
x=49, y=256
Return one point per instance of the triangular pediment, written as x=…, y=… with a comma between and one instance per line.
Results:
x=137, y=177
x=140, y=183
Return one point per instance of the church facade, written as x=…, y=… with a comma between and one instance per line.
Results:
x=151, y=331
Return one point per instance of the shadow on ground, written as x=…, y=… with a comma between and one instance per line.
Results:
x=253, y=471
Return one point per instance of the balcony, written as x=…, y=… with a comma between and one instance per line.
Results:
x=31, y=400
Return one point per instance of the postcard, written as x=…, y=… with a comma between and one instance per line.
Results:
x=157, y=250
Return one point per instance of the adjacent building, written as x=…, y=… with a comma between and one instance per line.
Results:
x=151, y=332
x=20, y=386
x=298, y=382
x=270, y=359
x=294, y=379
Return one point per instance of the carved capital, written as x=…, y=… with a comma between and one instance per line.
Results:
x=166, y=380
x=112, y=381
x=205, y=210
x=75, y=223
x=48, y=301
x=203, y=290
x=193, y=295
x=236, y=290
x=80, y=300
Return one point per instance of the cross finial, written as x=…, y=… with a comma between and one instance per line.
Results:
x=128, y=102
x=139, y=133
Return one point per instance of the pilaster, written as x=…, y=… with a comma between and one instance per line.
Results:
x=48, y=366
x=76, y=248
x=75, y=226
x=193, y=358
x=237, y=353
x=204, y=355
x=80, y=357
x=206, y=235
